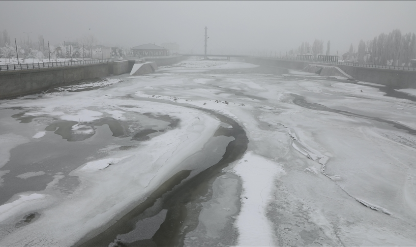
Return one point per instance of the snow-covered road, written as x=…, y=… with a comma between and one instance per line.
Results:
x=208, y=153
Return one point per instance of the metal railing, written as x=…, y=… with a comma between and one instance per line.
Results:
x=45, y=65
x=353, y=64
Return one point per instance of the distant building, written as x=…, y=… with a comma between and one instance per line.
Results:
x=70, y=43
x=149, y=50
x=117, y=52
x=304, y=56
x=70, y=49
x=173, y=48
x=328, y=58
x=350, y=57
x=101, y=52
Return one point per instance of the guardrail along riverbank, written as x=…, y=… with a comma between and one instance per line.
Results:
x=22, y=79
x=393, y=76
x=52, y=64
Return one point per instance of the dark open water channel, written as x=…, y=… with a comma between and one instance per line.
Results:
x=157, y=221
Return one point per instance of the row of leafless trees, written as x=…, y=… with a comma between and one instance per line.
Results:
x=316, y=48
x=27, y=48
x=4, y=38
x=393, y=48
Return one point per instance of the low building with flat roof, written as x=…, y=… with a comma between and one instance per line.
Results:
x=328, y=58
x=304, y=56
x=149, y=50
x=173, y=48
x=101, y=52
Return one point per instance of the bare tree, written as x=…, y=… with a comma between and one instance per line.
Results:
x=88, y=41
x=328, y=47
x=41, y=43
x=7, y=51
x=317, y=47
x=4, y=38
x=351, y=49
x=393, y=48
x=361, y=51
x=413, y=47
x=396, y=45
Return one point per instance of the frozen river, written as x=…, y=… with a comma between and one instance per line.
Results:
x=209, y=153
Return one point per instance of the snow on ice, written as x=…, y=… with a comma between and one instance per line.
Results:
x=310, y=176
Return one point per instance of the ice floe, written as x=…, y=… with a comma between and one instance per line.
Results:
x=15, y=207
x=30, y=174
x=99, y=164
x=258, y=175
x=39, y=134
x=114, y=181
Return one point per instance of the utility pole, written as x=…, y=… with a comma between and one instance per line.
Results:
x=17, y=54
x=49, y=52
x=206, y=40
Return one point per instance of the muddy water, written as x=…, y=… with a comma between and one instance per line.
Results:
x=165, y=211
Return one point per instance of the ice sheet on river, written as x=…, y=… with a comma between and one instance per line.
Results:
x=111, y=185
x=349, y=176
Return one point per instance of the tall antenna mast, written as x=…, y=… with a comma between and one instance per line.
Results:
x=206, y=39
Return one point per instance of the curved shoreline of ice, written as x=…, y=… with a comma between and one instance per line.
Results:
x=107, y=190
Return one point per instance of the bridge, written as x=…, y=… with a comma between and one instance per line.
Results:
x=213, y=55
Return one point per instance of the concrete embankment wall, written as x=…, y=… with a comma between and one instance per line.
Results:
x=143, y=68
x=21, y=82
x=297, y=65
x=394, y=78
x=311, y=68
x=326, y=70
x=122, y=67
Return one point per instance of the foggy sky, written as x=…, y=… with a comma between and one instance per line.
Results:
x=232, y=26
